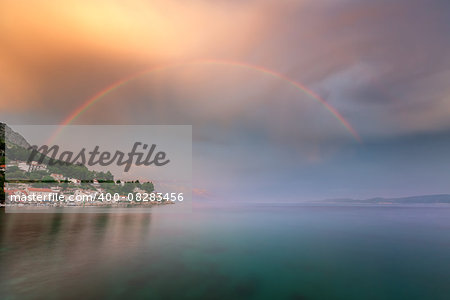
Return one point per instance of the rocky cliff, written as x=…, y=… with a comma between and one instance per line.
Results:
x=10, y=136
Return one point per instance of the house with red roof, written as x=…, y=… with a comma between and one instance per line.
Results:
x=13, y=194
x=57, y=177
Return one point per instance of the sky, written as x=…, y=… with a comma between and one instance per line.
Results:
x=383, y=66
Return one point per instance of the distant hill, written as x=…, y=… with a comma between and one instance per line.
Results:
x=425, y=199
x=18, y=149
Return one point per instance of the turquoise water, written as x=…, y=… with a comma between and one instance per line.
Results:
x=229, y=252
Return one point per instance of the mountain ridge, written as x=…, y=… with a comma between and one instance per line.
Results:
x=421, y=199
x=13, y=137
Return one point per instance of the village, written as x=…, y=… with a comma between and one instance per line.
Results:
x=57, y=190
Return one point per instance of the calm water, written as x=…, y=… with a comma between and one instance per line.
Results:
x=252, y=252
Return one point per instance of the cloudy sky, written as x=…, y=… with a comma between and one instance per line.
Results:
x=383, y=66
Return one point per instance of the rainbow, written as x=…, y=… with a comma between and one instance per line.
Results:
x=99, y=95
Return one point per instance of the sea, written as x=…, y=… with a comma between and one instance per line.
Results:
x=230, y=250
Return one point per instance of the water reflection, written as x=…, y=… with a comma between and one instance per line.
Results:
x=295, y=252
x=43, y=248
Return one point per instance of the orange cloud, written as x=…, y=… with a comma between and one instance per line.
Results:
x=48, y=46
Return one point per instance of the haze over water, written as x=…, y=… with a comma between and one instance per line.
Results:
x=230, y=252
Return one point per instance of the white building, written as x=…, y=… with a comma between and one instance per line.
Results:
x=12, y=194
x=74, y=180
x=85, y=196
x=34, y=166
x=55, y=189
x=41, y=194
x=57, y=177
x=23, y=166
